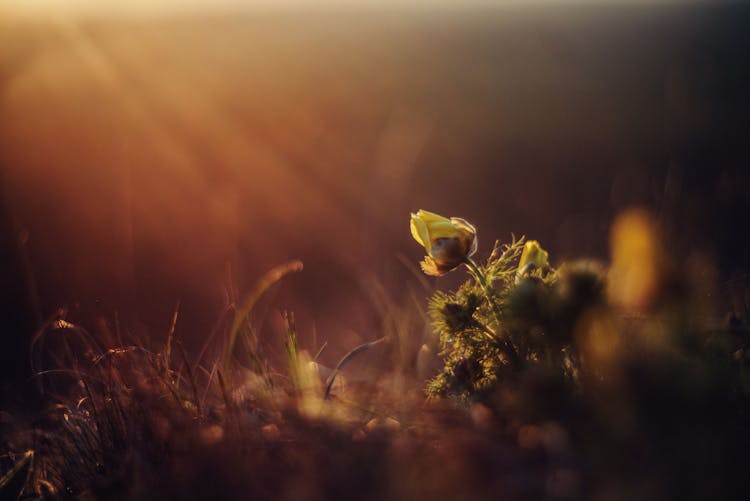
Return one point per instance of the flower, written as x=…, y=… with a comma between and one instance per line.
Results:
x=448, y=242
x=638, y=260
x=532, y=257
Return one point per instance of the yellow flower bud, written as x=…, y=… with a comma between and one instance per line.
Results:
x=532, y=257
x=448, y=242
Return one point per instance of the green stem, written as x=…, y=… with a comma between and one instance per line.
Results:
x=477, y=274
x=510, y=350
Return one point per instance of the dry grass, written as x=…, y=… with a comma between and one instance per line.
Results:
x=660, y=420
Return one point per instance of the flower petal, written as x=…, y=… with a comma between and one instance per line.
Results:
x=442, y=229
x=419, y=231
x=430, y=267
x=430, y=217
x=463, y=225
x=448, y=242
x=467, y=233
x=533, y=254
x=473, y=247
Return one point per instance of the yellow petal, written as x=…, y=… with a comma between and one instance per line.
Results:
x=533, y=254
x=430, y=217
x=419, y=231
x=429, y=267
x=447, y=241
x=463, y=225
x=442, y=229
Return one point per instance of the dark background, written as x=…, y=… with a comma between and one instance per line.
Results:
x=143, y=160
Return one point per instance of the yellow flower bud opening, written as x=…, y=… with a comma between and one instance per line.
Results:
x=447, y=241
x=532, y=257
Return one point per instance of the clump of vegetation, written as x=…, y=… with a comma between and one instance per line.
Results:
x=515, y=312
x=567, y=382
x=625, y=360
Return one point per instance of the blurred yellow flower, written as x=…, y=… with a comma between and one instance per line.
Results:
x=448, y=242
x=637, y=260
x=532, y=257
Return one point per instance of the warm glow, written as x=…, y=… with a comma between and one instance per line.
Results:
x=176, y=6
x=636, y=259
x=209, y=289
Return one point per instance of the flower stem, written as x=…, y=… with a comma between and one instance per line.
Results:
x=478, y=274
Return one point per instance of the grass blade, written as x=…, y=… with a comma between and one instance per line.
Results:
x=345, y=360
x=13, y=483
x=261, y=287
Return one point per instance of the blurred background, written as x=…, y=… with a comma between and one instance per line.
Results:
x=151, y=154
